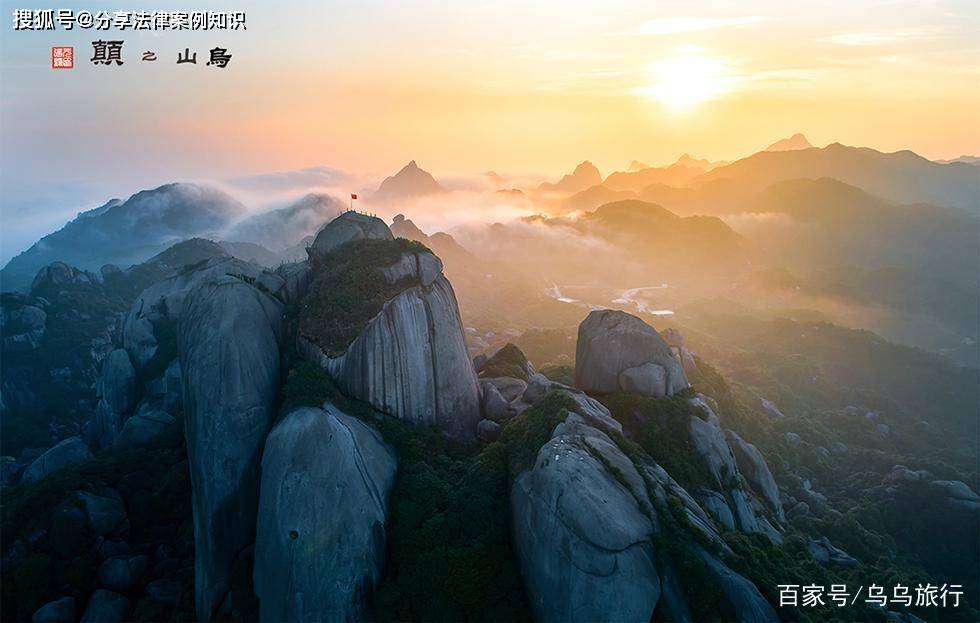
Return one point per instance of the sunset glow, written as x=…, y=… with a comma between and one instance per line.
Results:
x=682, y=82
x=463, y=87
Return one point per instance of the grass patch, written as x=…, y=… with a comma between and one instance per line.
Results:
x=661, y=426
x=560, y=374
x=348, y=290
x=508, y=361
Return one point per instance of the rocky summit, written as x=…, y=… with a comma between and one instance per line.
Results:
x=400, y=347
x=345, y=228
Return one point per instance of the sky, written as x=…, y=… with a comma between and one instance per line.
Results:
x=471, y=86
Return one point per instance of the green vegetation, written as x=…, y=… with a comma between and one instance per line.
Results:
x=815, y=372
x=549, y=347
x=449, y=537
x=450, y=547
x=508, y=361
x=769, y=565
x=661, y=426
x=155, y=486
x=676, y=547
x=60, y=375
x=560, y=374
x=57, y=378
x=806, y=366
x=349, y=289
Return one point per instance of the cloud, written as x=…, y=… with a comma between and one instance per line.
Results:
x=870, y=38
x=291, y=180
x=677, y=25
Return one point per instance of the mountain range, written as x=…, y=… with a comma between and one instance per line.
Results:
x=900, y=176
x=128, y=232
x=632, y=411
x=781, y=208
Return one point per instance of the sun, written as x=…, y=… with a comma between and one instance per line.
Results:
x=682, y=82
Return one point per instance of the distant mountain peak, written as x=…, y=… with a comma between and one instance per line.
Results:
x=636, y=165
x=687, y=160
x=584, y=176
x=797, y=141
x=402, y=227
x=495, y=178
x=974, y=160
x=410, y=181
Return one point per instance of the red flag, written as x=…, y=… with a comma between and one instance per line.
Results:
x=353, y=196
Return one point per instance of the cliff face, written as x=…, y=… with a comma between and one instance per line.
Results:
x=584, y=539
x=208, y=338
x=411, y=362
x=326, y=477
x=229, y=356
x=592, y=517
x=601, y=530
x=404, y=350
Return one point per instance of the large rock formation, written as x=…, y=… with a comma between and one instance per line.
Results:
x=508, y=361
x=617, y=351
x=586, y=517
x=582, y=535
x=744, y=598
x=162, y=304
x=346, y=227
x=23, y=324
x=107, y=607
x=321, y=530
x=144, y=428
x=229, y=358
x=407, y=355
x=117, y=391
x=296, y=276
x=724, y=496
x=59, y=274
x=57, y=611
x=753, y=466
x=67, y=452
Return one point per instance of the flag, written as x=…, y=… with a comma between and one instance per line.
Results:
x=353, y=196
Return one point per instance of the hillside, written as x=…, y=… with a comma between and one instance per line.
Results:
x=129, y=232
x=901, y=176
